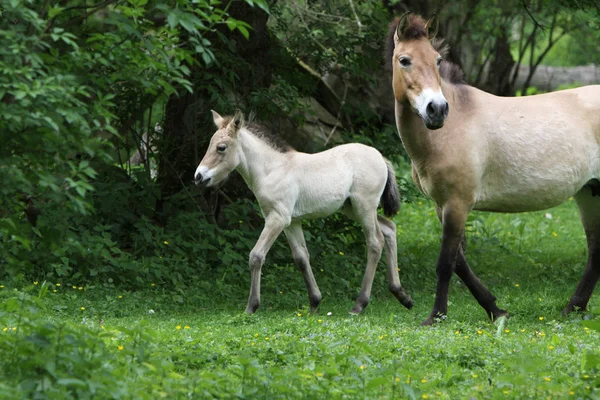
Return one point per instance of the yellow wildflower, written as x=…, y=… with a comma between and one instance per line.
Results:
x=58, y=284
x=341, y=253
x=571, y=393
x=256, y=335
x=507, y=330
x=178, y=327
x=541, y=318
x=554, y=234
x=74, y=287
x=299, y=314
x=505, y=391
x=586, y=376
x=319, y=374
x=479, y=332
x=82, y=308
x=319, y=320
x=120, y=348
x=186, y=327
x=266, y=338
x=1, y=286
x=551, y=347
x=5, y=329
x=425, y=396
x=80, y=288
x=153, y=284
x=517, y=285
x=423, y=380
x=397, y=379
x=120, y=296
x=53, y=290
x=14, y=329
x=362, y=366
x=547, y=379
x=165, y=242
x=35, y=283
x=474, y=375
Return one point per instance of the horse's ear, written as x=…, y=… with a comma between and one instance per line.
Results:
x=432, y=26
x=401, y=27
x=238, y=121
x=217, y=119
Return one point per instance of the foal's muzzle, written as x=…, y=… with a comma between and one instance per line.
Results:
x=201, y=180
x=436, y=114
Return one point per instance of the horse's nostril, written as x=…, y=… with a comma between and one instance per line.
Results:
x=198, y=177
x=446, y=109
x=430, y=110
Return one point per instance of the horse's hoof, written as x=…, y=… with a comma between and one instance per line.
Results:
x=499, y=314
x=433, y=319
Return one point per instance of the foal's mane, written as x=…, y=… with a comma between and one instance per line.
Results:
x=416, y=29
x=264, y=134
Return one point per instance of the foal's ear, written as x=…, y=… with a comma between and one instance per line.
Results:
x=238, y=121
x=432, y=26
x=217, y=119
x=401, y=27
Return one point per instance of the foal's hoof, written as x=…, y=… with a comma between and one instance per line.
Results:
x=251, y=308
x=408, y=303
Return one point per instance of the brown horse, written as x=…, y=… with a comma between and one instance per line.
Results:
x=471, y=150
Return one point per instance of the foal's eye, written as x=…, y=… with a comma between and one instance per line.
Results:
x=438, y=62
x=405, y=62
x=221, y=148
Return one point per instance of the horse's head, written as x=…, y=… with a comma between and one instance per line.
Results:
x=416, y=75
x=222, y=155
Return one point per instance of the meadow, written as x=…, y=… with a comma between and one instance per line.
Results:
x=66, y=340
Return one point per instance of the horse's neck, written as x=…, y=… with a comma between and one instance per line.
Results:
x=257, y=159
x=421, y=143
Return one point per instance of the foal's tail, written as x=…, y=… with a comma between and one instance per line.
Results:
x=391, y=196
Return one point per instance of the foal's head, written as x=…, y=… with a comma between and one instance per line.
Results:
x=222, y=155
x=416, y=74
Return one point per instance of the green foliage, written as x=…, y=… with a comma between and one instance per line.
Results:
x=60, y=341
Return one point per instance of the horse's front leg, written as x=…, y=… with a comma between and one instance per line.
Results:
x=274, y=224
x=454, y=217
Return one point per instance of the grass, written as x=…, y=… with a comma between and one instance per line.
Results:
x=99, y=341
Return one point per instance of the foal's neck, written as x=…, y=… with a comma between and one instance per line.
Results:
x=257, y=159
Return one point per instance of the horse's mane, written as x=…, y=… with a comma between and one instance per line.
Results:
x=263, y=133
x=449, y=71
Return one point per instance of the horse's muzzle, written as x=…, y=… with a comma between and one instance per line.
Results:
x=436, y=114
x=200, y=180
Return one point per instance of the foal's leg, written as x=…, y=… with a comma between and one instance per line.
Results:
x=295, y=238
x=388, y=228
x=589, y=207
x=274, y=224
x=454, y=217
x=481, y=293
x=366, y=215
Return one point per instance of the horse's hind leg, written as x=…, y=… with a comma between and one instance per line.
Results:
x=589, y=207
x=295, y=238
x=388, y=228
x=365, y=212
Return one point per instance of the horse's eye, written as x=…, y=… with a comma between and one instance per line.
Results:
x=221, y=148
x=405, y=62
x=439, y=61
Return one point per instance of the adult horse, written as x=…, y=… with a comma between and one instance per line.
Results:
x=471, y=150
x=291, y=186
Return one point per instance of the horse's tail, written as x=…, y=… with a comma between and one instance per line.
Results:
x=391, y=196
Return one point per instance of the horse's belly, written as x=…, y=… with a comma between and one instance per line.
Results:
x=525, y=196
x=319, y=199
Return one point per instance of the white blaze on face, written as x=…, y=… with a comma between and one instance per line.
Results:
x=428, y=96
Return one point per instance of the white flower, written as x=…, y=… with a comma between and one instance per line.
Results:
x=329, y=314
x=548, y=216
x=150, y=311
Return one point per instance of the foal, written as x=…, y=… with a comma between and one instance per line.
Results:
x=291, y=186
x=471, y=150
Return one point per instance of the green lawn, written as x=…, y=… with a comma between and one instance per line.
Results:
x=99, y=341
